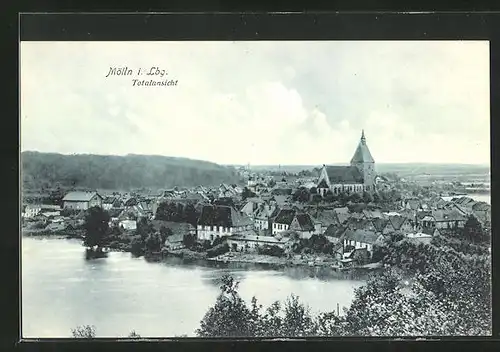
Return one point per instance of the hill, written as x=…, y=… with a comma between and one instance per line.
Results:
x=39, y=170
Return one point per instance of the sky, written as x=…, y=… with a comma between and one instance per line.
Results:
x=263, y=103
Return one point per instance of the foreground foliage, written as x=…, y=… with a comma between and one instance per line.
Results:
x=83, y=332
x=429, y=290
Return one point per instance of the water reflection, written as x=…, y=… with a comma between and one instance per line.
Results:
x=61, y=289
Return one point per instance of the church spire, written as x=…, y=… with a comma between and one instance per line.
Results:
x=362, y=154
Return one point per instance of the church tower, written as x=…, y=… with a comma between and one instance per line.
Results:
x=363, y=160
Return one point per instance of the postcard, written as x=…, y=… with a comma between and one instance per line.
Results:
x=276, y=189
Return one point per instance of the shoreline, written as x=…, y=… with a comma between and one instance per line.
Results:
x=310, y=261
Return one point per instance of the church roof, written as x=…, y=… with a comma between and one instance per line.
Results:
x=362, y=153
x=344, y=174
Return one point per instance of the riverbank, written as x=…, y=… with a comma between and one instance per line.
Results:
x=63, y=234
x=122, y=245
x=299, y=260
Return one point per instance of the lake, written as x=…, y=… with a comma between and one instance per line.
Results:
x=120, y=293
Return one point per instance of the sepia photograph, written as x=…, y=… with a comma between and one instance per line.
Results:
x=255, y=189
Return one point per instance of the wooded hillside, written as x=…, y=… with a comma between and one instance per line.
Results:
x=119, y=172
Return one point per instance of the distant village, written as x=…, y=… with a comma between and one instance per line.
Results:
x=351, y=208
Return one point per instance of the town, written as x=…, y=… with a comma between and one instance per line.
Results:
x=333, y=215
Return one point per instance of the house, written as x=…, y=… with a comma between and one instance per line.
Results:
x=398, y=223
x=33, y=210
x=50, y=214
x=325, y=218
x=342, y=214
x=380, y=224
x=357, y=256
x=251, y=243
x=128, y=224
x=372, y=214
x=444, y=219
x=303, y=224
x=482, y=211
x=362, y=239
x=250, y=207
x=196, y=197
x=138, y=208
x=280, y=200
x=131, y=202
x=82, y=200
x=108, y=203
x=419, y=237
x=359, y=224
x=359, y=176
x=263, y=216
x=412, y=204
x=439, y=203
x=57, y=226
x=175, y=242
x=222, y=221
x=334, y=233
x=182, y=228
x=283, y=220
x=465, y=202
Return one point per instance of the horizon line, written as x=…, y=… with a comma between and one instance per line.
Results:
x=259, y=165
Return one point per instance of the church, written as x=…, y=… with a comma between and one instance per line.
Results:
x=358, y=177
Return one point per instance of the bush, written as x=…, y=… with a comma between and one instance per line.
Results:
x=137, y=245
x=134, y=335
x=274, y=251
x=218, y=250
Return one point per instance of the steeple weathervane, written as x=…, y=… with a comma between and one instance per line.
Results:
x=363, y=139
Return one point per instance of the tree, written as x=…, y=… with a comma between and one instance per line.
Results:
x=165, y=232
x=96, y=227
x=473, y=230
x=189, y=240
x=134, y=335
x=137, y=245
x=297, y=321
x=247, y=193
x=301, y=195
x=271, y=183
x=329, y=196
x=153, y=242
x=367, y=197
x=83, y=332
x=355, y=197
x=144, y=228
x=274, y=251
x=316, y=198
x=218, y=240
x=229, y=317
x=56, y=196
x=191, y=215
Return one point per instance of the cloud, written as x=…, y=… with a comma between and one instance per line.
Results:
x=260, y=102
